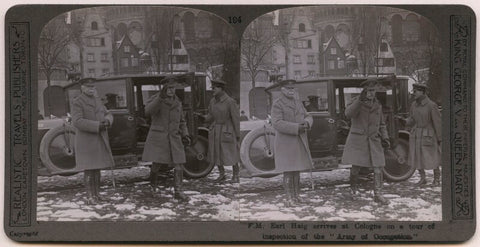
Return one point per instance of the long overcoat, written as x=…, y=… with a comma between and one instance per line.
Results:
x=92, y=148
x=291, y=150
x=425, y=135
x=364, y=142
x=223, y=147
x=164, y=140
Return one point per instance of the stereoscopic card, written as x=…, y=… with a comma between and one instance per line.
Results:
x=240, y=123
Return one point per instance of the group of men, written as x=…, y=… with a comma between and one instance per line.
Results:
x=366, y=140
x=166, y=139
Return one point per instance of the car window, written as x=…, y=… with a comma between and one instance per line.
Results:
x=314, y=95
x=113, y=93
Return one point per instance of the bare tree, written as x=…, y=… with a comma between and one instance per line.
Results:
x=53, y=41
x=368, y=32
x=163, y=27
x=257, y=41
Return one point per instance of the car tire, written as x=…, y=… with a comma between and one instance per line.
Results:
x=396, y=163
x=256, y=157
x=56, y=154
x=197, y=165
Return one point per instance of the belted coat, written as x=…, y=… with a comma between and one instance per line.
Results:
x=425, y=135
x=164, y=140
x=364, y=142
x=224, y=131
x=92, y=147
x=291, y=150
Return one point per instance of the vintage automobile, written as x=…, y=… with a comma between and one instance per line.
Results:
x=326, y=100
x=125, y=97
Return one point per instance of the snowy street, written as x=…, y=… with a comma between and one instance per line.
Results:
x=254, y=199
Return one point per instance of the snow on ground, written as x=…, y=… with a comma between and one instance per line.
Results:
x=254, y=199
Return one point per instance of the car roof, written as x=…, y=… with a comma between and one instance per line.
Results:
x=337, y=79
x=137, y=76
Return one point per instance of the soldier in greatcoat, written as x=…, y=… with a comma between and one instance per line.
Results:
x=224, y=135
x=363, y=147
x=92, y=149
x=168, y=131
x=425, y=135
x=292, y=153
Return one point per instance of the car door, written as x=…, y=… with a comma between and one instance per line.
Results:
x=322, y=135
x=118, y=99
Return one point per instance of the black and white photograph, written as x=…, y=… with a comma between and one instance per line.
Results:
x=242, y=123
x=343, y=115
x=133, y=103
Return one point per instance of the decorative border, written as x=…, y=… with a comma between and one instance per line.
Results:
x=20, y=182
x=461, y=138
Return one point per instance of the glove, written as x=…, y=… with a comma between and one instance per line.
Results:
x=187, y=140
x=302, y=128
x=386, y=143
x=104, y=124
x=363, y=95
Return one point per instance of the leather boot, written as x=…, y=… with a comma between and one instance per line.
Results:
x=423, y=178
x=289, y=189
x=178, y=185
x=236, y=170
x=354, y=172
x=96, y=185
x=378, y=184
x=221, y=172
x=436, y=177
x=89, y=180
x=153, y=181
x=296, y=187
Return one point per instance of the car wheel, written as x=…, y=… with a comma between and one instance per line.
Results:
x=257, y=152
x=57, y=150
x=197, y=165
x=396, y=163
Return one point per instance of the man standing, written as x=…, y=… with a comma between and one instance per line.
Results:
x=425, y=135
x=292, y=154
x=224, y=134
x=164, y=141
x=92, y=149
x=363, y=147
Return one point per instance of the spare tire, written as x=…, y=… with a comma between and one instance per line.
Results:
x=396, y=163
x=257, y=152
x=57, y=150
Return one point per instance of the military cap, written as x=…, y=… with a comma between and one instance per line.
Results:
x=289, y=83
x=370, y=82
x=420, y=86
x=89, y=82
x=219, y=83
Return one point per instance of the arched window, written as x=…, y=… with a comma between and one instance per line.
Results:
x=397, y=29
x=189, y=25
x=94, y=25
x=301, y=27
x=411, y=28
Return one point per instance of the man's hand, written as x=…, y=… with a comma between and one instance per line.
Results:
x=386, y=143
x=104, y=125
x=363, y=95
x=302, y=128
x=187, y=140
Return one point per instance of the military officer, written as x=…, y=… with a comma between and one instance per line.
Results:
x=425, y=135
x=92, y=149
x=292, y=153
x=168, y=132
x=363, y=147
x=224, y=134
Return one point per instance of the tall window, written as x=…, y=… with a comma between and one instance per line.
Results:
x=341, y=64
x=333, y=51
x=124, y=62
x=94, y=25
x=104, y=57
x=331, y=64
x=301, y=27
x=384, y=47
x=126, y=48
x=177, y=44
x=102, y=41
x=296, y=59
x=311, y=59
x=309, y=43
x=297, y=74
x=90, y=57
